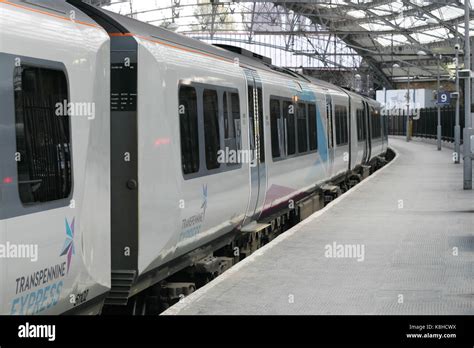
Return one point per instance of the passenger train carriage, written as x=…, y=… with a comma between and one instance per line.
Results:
x=129, y=152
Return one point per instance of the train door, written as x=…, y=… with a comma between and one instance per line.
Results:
x=330, y=130
x=367, y=147
x=258, y=174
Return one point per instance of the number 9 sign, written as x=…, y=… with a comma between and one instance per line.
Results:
x=444, y=98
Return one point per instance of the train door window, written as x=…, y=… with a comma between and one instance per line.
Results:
x=329, y=121
x=274, y=127
x=256, y=121
x=376, y=125
x=382, y=127
x=365, y=125
x=211, y=128
x=372, y=119
x=289, y=120
x=337, y=119
x=345, y=122
x=361, y=131
x=379, y=118
x=261, y=125
x=312, y=127
x=345, y=129
x=384, y=121
x=43, y=136
x=341, y=125
x=301, y=123
x=227, y=118
x=188, y=124
x=379, y=125
x=231, y=121
x=250, y=97
x=235, y=110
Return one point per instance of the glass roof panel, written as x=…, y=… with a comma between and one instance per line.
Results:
x=409, y=22
x=447, y=12
x=394, y=6
x=431, y=35
x=381, y=12
x=357, y=14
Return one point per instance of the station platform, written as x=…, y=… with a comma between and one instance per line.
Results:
x=414, y=224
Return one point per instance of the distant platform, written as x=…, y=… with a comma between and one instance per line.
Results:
x=407, y=234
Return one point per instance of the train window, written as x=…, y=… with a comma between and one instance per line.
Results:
x=385, y=127
x=274, y=121
x=289, y=120
x=231, y=121
x=379, y=124
x=301, y=122
x=341, y=125
x=227, y=116
x=211, y=128
x=188, y=124
x=42, y=135
x=361, y=133
x=312, y=127
x=376, y=125
x=235, y=110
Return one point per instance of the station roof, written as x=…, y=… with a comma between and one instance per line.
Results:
x=392, y=38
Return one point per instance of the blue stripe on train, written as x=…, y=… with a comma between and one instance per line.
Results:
x=309, y=96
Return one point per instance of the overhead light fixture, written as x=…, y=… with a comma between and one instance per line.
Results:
x=396, y=65
x=421, y=53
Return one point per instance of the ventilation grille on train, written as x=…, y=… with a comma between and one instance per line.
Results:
x=122, y=282
x=244, y=52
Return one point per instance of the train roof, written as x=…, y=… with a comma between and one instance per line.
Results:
x=115, y=23
x=54, y=8
x=118, y=24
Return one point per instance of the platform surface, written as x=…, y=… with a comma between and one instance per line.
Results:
x=410, y=264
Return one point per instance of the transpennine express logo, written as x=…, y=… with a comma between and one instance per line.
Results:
x=191, y=226
x=68, y=248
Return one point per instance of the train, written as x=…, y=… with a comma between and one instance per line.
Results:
x=131, y=154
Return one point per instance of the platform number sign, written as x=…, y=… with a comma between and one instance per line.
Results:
x=444, y=98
